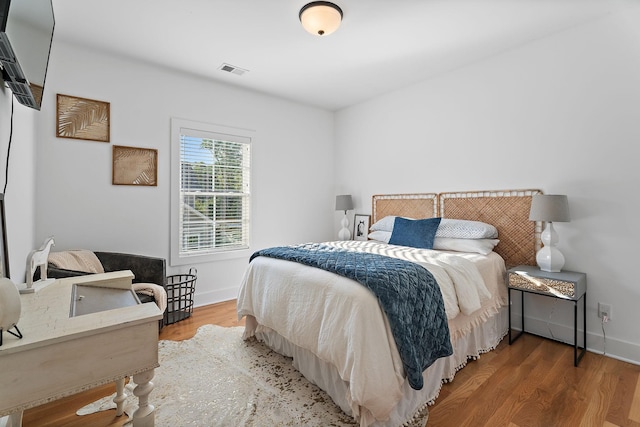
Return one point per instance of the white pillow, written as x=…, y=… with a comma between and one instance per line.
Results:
x=465, y=229
x=452, y=228
x=385, y=224
x=380, y=236
x=481, y=246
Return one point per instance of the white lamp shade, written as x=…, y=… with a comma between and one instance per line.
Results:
x=320, y=18
x=549, y=207
x=344, y=202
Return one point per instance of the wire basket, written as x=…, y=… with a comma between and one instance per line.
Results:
x=180, y=289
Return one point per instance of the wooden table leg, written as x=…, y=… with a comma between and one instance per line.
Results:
x=144, y=416
x=120, y=397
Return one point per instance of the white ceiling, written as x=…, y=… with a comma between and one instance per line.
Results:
x=380, y=46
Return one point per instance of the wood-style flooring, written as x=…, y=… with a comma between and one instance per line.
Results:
x=530, y=383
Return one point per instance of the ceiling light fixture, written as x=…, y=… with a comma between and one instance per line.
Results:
x=320, y=17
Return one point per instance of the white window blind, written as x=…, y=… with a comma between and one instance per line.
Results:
x=214, y=213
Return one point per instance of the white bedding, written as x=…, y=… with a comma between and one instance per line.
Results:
x=338, y=321
x=462, y=286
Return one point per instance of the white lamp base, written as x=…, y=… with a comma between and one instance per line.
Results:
x=549, y=258
x=344, y=233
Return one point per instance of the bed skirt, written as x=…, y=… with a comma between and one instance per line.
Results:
x=481, y=338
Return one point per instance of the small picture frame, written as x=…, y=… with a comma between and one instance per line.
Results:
x=134, y=166
x=361, y=227
x=82, y=118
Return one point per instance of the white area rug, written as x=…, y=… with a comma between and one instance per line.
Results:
x=217, y=379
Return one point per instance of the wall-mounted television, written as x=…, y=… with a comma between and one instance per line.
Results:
x=26, y=32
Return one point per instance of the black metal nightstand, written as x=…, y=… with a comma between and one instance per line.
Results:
x=566, y=285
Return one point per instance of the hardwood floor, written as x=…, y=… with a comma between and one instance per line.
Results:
x=534, y=383
x=530, y=383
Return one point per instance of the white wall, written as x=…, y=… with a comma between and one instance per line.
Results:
x=560, y=114
x=20, y=190
x=292, y=156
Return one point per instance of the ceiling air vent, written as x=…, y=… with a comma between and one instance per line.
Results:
x=232, y=69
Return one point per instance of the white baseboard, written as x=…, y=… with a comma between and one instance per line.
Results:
x=614, y=348
x=213, y=297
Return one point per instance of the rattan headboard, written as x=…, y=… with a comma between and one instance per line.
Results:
x=422, y=205
x=507, y=210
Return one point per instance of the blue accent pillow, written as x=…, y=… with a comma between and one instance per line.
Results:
x=416, y=233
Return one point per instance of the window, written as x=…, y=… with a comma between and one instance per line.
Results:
x=211, y=192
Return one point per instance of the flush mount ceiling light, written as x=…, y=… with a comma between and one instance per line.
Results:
x=320, y=17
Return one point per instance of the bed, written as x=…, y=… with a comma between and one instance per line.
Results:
x=340, y=338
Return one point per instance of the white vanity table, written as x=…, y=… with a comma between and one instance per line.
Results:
x=60, y=354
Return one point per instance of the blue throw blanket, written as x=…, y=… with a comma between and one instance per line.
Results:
x=407, y=292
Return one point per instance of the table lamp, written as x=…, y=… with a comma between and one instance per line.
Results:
x=549, y=208
x=344, y=203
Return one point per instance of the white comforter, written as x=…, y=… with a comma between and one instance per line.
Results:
x=341, y=322
x=461, y=284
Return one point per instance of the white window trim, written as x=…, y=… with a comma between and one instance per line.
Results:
x=175, y=257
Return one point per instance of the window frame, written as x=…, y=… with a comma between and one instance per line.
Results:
x=235, y=135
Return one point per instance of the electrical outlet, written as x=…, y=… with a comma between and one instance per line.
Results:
x=604, y=310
